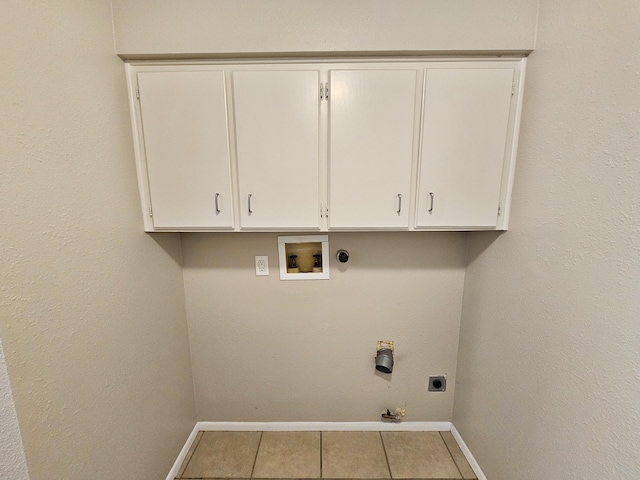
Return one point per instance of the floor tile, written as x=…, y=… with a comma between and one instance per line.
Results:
x=224, y=455
x=353, y=455
x=458, y=456
x=419, y=455
x=288, y=455
x=189, y=454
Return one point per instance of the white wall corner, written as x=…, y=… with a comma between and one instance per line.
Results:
x=13, y=463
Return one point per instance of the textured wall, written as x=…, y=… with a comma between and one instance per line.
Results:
x=12, y=462
x=285, y=26
x=91, y=309
x=259, y=346
x=271, y=350
x=549, y=366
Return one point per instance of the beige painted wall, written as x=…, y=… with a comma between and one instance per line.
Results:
x=549, y=366
x=259, y=346
x=308, y=26
x=91, y=309
x=271, y=350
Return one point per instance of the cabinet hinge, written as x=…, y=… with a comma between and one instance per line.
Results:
x=324, y=211
x=499, y=208
x=150, y=212
x=513, y=88
x=324, y=91
x=137, y=91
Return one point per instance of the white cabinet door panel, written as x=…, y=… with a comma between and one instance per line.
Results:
x=464, y=133
x=184, y=124
x=372, y=117
x=277, y=141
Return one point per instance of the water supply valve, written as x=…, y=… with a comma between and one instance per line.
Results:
x=394, y=417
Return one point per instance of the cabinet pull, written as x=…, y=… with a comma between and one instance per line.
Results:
x=430, y=202
x=249, y=204
x=399, y=203
x=217, y=205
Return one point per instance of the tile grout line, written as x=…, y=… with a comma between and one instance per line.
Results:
x=451, y=455
x=255, y=459
x=386, y=457
x=320, y=454
x=197, y=441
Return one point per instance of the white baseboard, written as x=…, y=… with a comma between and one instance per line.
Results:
x=183, y=453
x=467, y=453
x=325, y=427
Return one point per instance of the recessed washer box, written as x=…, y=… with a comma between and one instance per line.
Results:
x=304, y=257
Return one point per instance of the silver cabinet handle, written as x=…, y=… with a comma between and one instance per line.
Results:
x=399, y=203
x=249, y=204
x=217, y=205
x=431, y=202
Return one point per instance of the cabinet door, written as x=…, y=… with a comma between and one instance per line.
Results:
x=186, y=143
x=464, y=134
x=277, y=135
x=372, y=114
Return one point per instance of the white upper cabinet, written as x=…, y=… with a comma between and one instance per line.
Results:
x=277, y=146
x=465, y=145
x=326, y=145
x=185, y=176
x=372, y=117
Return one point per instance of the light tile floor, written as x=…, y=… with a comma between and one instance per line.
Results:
x=336, y=455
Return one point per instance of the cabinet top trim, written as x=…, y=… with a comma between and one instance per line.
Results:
x=325, y=58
